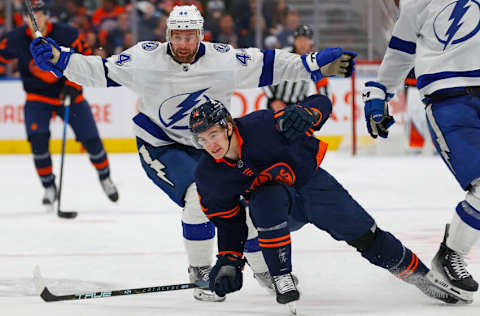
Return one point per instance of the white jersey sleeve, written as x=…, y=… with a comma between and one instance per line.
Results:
x=256, y=68
x=86, y=70
x=400, y=54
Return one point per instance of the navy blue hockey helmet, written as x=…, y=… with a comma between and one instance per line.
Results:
x=303, y=30
x=208, y=114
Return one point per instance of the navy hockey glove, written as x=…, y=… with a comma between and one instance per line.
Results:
x=226, y=276
x=329, y=62
x=294, y=121
x=69, y=91
x=49, y=56
x=378, y=119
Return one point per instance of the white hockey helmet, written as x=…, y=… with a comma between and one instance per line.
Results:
x=185, y=17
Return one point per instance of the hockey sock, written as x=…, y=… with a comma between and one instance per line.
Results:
x=388, y=252
x=276, y=249
x=464, y=228
x=199, y=243
x=42, y=158
x=98, y=157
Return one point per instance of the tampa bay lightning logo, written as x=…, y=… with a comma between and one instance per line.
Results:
x=149, y=46
x=174, y=111
x=222, y=48
x=457, y=22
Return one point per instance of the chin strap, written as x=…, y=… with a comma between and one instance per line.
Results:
x=229, y=142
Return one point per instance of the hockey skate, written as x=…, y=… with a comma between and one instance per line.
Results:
x=429, y=285
x=200, y=274
x=286, y=290
x=110, y=189
x=49, y=197
x=265, y=280
x=449, y=266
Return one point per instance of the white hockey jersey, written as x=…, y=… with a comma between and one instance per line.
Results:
x=441, y=39
x=168, y=90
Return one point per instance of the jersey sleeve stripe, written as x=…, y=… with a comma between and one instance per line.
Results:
x=110, y=82
x=403, y=46
x=266, y=78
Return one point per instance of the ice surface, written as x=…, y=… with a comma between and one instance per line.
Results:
x=137, y=243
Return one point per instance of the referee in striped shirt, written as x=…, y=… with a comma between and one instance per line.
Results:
x=289, y=92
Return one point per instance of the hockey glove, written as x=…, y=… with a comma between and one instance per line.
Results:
x=329, y=62
x=226, y=276
x=294, y=121
x=49, y=56
x=69, y=91
x=378, y=119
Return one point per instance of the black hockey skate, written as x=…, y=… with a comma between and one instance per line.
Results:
x=430, y=288
x=110, y=189
x=201, y=274
x=451, y=267
x=265, y=280
x=286, y=290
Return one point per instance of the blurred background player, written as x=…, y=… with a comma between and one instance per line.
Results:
x=44, y=98
x=288, y=92
x=441, y=40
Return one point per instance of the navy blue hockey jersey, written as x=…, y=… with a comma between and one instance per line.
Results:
x=265, y=156
x=41, y=85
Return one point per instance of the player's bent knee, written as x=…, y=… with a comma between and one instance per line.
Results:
x=366, y=240
x=192, y=212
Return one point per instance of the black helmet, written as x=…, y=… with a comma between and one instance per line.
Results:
x=208, y=114
x=303, y=30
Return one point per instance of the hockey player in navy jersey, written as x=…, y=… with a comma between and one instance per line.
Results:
x=273, y=161
x=441, y=39
x=44, y=96
x=170, y=79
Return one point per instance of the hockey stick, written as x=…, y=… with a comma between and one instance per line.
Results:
x=32, y=18
x=47, y=296
x=60, y=213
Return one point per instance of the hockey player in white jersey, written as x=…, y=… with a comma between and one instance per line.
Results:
x=170, y=79
x=441, y=39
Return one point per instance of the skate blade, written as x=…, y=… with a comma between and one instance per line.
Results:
x=292, y=307
x=442, y=282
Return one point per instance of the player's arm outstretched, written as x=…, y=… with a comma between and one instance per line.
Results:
x=255, y=68
x=229, y=217
x=397, y=62
x=90, y=71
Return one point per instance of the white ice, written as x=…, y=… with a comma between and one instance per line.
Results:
x=137, y=243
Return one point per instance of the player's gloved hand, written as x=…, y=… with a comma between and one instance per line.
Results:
x=294, y=121
x=226, y=276
x=378, y=119
x=329, y=62
x=49, y=56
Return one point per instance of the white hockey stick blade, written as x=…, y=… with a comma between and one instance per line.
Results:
x=437, y=279
x=38, y=280
x=292, y=307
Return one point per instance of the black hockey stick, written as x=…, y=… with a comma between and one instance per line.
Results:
x=47, y=296
x=32, y=18
x=60, y=213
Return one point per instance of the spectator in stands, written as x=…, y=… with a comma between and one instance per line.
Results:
x=148, y=20
x=227, y=31
x=108, y=11
x=215, y=10
x=249, y=39
x=65, y=11
x=115, y=37
x=279, y=16
x=291, y=23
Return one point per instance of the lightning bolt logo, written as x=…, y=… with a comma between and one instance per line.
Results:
x=182, y=109
x=155, y=164
x=456, y=17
